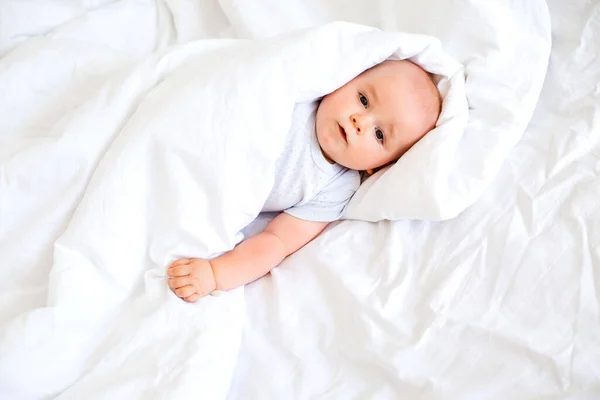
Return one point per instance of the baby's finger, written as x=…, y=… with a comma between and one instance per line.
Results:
x=180, y=281
x=192, y=298
x=181, y=261
x=185, y=291
x=180, y=270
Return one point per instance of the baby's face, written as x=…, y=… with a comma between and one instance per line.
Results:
x=375, y=118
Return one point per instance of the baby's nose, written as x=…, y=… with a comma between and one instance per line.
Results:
x=359, y=123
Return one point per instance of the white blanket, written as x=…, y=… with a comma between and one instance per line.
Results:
x=172, y=157
x=499, y=303
x=504, y=47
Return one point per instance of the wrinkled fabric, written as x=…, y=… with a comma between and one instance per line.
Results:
x=501, y=302
x=169, y=156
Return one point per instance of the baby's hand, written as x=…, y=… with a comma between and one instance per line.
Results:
x=191, y=278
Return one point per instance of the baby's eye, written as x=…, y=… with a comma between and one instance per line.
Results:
x=363, y=100
x=379, y=134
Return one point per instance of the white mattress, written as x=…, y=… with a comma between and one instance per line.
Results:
x=502, y=302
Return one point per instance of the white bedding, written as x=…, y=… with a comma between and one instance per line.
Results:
x=170, y=158
x=501, y=302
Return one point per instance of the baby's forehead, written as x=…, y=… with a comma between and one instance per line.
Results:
x=388, y=73
x=399, y=68
x=387, y=80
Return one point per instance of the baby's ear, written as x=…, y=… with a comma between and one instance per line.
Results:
x=374, y=170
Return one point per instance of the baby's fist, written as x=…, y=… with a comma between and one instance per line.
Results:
x=191, y=278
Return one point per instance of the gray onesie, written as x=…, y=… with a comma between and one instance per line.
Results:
x=306, y=185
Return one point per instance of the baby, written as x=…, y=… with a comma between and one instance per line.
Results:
x=365, y=125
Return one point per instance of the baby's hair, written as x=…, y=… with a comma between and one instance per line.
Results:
x=430, y=101
x=426, y=104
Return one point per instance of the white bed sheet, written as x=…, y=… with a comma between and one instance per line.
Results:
x=501, y=302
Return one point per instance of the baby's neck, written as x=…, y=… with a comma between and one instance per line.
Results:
x=329, y=160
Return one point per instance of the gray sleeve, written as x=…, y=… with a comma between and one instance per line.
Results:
x=329, y=204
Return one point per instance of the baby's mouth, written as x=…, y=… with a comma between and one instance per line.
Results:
x=342, y=132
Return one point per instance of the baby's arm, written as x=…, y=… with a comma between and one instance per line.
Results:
x=193, y=278
x=258, y=255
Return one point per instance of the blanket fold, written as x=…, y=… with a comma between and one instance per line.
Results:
x=171, y=157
